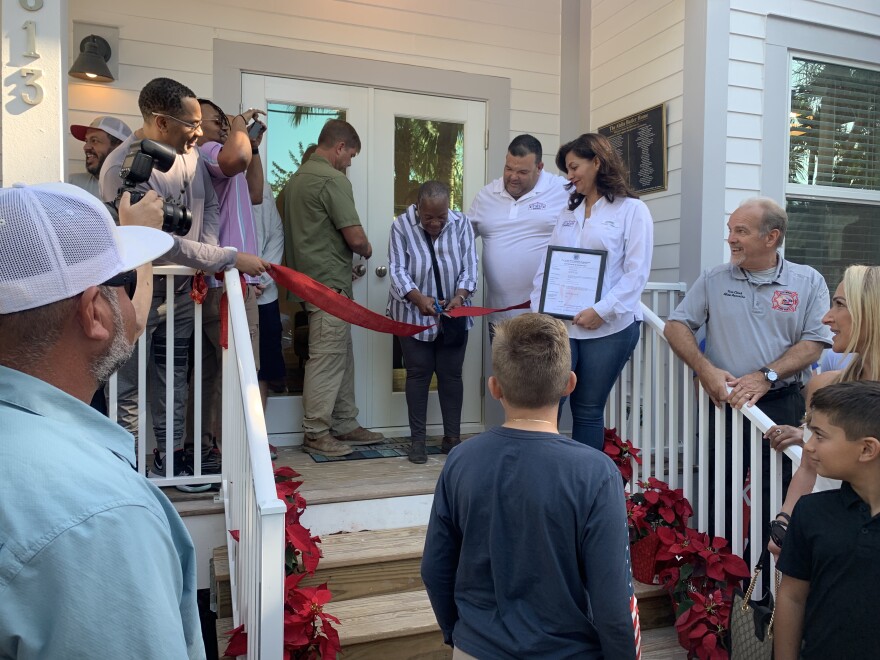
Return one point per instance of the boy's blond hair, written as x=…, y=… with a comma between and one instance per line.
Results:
x=531, y=359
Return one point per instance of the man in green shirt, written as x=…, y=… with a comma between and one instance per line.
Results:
x=321, y=232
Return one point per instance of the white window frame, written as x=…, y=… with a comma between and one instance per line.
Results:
x=824, y=193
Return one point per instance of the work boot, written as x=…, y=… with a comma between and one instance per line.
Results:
x=417, y=453
x=325, y=445
x=448, y=443
x=360, y=436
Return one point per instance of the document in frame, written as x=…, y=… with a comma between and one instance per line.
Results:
x=572, y=280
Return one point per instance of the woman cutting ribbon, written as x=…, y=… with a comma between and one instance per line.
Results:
x=433, y=264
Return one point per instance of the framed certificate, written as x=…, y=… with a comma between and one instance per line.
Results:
x=572, y=280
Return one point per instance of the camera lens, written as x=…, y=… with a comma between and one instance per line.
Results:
x=177, y=218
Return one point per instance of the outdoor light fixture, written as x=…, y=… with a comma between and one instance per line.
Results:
x=94, y=53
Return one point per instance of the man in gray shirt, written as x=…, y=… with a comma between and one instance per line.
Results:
x=172, y=116
x=763, y=321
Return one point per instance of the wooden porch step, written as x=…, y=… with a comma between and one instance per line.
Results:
x=222, y=627
x=400, y=626
x=221, y=589
x=655, y=609
x=370, y=563
x=662, y=644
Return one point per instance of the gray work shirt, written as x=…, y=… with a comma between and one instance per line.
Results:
x=87, y=182
x=750, y=324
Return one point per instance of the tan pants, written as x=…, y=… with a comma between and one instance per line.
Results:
x=328, y=387
x=458, y=654
x=212, y=354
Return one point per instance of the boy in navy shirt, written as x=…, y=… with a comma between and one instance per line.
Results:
x=527, y=553
x=831, y=574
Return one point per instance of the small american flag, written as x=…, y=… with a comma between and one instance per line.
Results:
x=633, y=606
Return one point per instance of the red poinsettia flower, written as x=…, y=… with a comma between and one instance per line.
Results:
x=306, y=544
x=237, y=642
x=622, y=452
x=286, y=473
x=234, y=534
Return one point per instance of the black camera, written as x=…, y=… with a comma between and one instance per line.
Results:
x=137, y=168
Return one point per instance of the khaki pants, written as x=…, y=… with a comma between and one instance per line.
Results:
x=328, y=388
x=458, y=654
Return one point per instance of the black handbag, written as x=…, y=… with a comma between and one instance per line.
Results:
x=453, y=330
x=751, y=621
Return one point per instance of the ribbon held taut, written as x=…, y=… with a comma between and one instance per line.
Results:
x=343, y=308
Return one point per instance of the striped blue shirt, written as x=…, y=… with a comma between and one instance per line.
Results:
x=410, y=261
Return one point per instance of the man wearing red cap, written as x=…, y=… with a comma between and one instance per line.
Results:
x=100, y=137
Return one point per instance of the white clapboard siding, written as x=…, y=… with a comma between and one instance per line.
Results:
x=515, y=39
x=637, y=60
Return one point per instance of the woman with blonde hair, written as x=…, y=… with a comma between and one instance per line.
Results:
x=854, y=319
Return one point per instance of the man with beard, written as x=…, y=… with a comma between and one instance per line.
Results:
x=99, y=138
x=79, y=552
x=172, y=116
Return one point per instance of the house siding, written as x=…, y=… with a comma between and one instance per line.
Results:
x=637, y=61
x=514, y=39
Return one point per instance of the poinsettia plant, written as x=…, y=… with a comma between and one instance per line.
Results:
x=308, y=630
x=656, y=506
x=622, y=452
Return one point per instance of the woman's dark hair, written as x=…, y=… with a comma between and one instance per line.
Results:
x=612, y=177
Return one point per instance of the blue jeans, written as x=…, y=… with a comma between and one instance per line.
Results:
x=597, y=363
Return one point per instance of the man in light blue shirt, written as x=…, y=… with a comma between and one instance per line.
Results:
x=94, y=560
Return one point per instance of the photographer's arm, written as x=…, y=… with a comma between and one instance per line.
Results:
x=254, y=173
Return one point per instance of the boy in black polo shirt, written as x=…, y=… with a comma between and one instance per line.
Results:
x=831, y=559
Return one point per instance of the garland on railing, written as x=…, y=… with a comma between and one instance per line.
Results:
x=308, y=629
x=699, y=572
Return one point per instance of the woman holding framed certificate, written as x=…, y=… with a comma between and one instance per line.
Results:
x=596, y=268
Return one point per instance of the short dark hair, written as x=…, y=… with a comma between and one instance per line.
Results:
x=433, y=190
x=336, y=131
x=853, y=406
x=525, y=144
x=114, y=142
x=163, y=95
x=612, y=179
x=213, y=105
x=531, y=359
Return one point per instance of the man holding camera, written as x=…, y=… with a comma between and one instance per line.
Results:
x=232, y=158
x=172, y=116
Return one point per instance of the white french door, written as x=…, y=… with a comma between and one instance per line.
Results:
x=392, y=126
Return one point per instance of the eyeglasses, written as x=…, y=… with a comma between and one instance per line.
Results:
x=128, y=280
x=192, y=125
x=222, y=123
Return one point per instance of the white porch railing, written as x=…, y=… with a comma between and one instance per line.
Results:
x=252, y=507
x=256, y=561
x=659, y=405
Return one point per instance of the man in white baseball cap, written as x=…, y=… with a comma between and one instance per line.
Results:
x=95, y=559
x=100, y=137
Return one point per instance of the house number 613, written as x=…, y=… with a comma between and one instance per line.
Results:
x=31, y=76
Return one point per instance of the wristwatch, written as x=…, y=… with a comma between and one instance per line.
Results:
x=769, y=375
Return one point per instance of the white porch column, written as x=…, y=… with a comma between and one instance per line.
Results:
x=34, y=104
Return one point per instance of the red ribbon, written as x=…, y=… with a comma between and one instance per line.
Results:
x=346, y=309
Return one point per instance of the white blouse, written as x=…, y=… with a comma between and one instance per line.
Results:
x=625, y=230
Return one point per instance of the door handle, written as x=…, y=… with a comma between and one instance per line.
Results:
x=382, y=271
x=360, y=270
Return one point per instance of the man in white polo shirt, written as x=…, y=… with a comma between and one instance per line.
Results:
x=515, y=216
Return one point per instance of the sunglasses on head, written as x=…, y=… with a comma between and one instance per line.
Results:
x=128, y=280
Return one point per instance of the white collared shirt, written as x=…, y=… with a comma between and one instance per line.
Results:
x=515, y=235
x=625, y=230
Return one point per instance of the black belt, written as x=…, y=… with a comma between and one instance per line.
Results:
x=787, y=390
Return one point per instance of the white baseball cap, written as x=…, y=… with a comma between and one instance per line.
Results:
x=110, y=125
x=57, y=240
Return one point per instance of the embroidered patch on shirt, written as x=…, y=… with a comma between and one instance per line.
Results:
x=785, y=301
x=569, y=223
x=537, y=206
x=730, y=293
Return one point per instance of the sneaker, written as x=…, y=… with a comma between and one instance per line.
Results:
x=212, y=459
x=183, y=468
x=360, y=436
x=325, y=445
x=448, y=443
x=417, y=453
